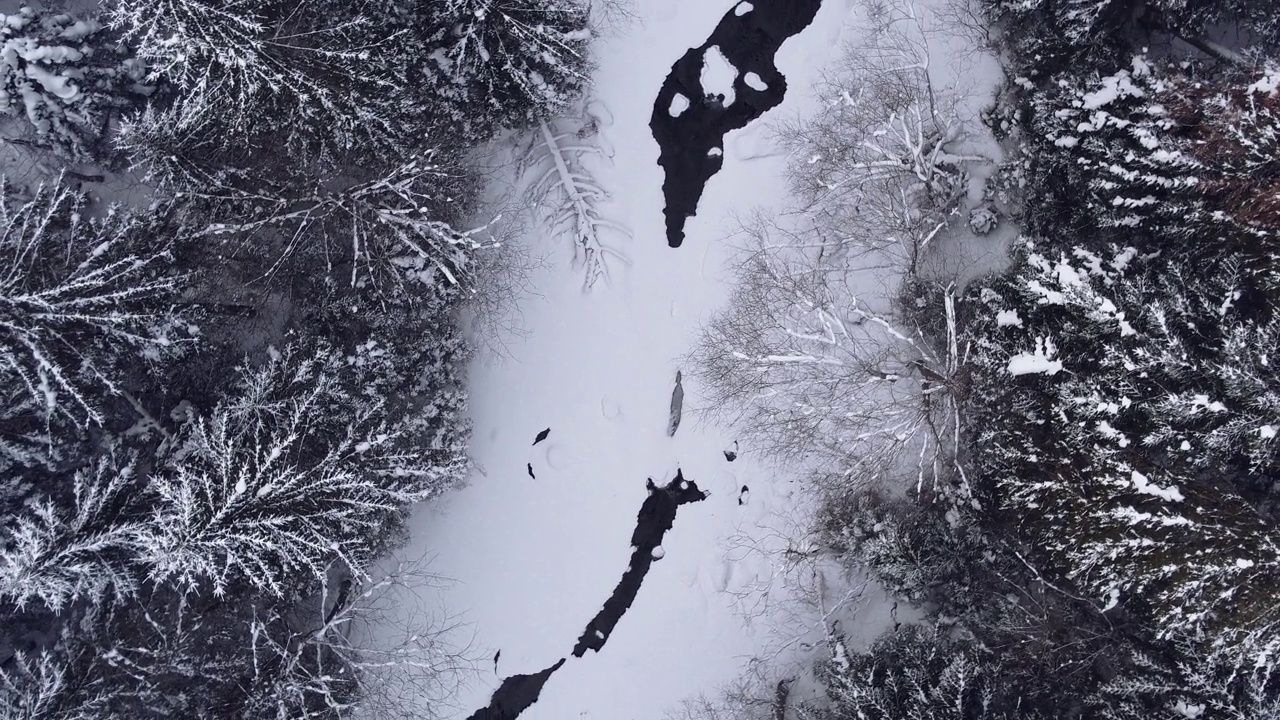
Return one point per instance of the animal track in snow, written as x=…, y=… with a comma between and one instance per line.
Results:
x=609, y=409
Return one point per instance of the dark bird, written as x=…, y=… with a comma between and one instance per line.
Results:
x=530, y=466
x=732, y=455
x=542, y=436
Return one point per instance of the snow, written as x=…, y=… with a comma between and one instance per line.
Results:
x=1267, y=432
x=532, y=562
x=754, y=82
x=679, y=103
x=1267, y=84
x=1113, y=87
x=1187, y=710
x=1146, y=487
x=1038, y=362
x=743, y=8
x=1008, y=317
x=658, y=553
x=718, y=74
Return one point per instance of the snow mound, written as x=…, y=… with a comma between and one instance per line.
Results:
x=1008, y=317
x=743, y=8
x=754, y=82
x=718, y=75
x=1039, y=362
x=658, y=553
x=679, y=104
x=715, y=152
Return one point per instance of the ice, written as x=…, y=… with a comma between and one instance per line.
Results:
x=754, y=82
x=718, y=75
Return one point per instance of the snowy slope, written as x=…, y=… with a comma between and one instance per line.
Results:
x=534, y=559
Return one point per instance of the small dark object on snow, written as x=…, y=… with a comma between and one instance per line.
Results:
x=495, y=661
x=732, y=455
x=530, y=466
x=743, y=495
x=677, y=407
x=542, y=436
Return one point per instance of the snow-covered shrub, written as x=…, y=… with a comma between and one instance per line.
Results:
x=63, y=76
x=879, y=166
x=83, y=301
x=983, y=220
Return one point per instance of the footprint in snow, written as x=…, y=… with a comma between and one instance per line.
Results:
x=610, y=409
x=744, y=495
x=555, y=456
x=600, y=112
x=731, y=455
x=723, y=576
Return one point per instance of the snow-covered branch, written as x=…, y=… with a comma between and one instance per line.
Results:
x=564, y=185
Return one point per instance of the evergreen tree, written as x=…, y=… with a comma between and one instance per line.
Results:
x=1124, y=452
x=915, y=673
x=1164, y=156
x=83, y=301
x=510, y=61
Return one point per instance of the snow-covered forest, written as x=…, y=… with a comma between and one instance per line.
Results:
x=348, y=371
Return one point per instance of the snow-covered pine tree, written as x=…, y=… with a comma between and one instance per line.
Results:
x=54, y=553
x=64, y=77
x=506, y=63
x=243, y=79
x=83, y=301
x=915, y=673
x=385, y=233
x=301, y=467
x=1051, y=38
x=1123, y=452
x=1162, y=154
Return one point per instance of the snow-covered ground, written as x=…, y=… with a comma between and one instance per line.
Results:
x=534, y=559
